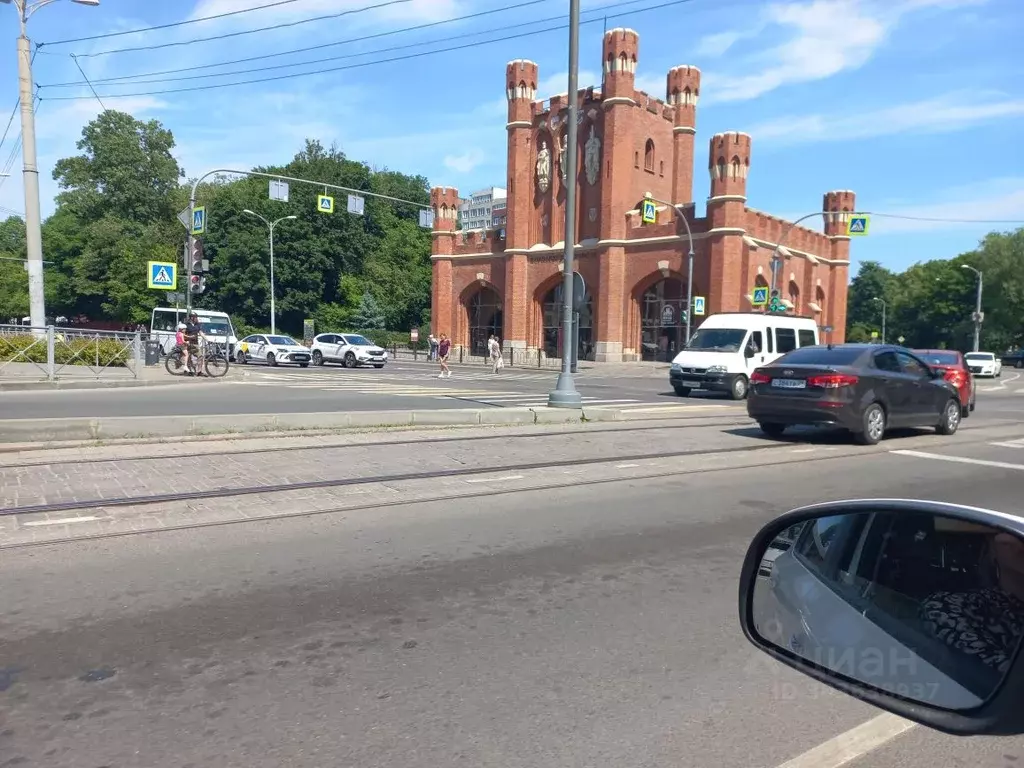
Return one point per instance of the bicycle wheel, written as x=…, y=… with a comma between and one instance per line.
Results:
x=216, y=366
x=175, y=363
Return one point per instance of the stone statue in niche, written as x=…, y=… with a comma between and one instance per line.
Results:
x=563, y=169
x=543, y=168
x=592, y=157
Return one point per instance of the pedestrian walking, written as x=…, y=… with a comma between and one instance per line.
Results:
x=432, y=348
x=444, y=348
x=494, y=350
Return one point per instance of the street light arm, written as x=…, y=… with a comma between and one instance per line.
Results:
x=681, y=216
x=785, y=234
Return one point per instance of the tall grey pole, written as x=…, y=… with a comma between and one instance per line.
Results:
x=884, y=308
x=273, y=307
x=977, y=315
x=30, y=173
x=565, y=394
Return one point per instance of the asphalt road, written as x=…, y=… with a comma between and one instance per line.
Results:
x=401, y=386
x=594, y=626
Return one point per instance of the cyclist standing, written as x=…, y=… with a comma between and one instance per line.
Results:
x=193, y=332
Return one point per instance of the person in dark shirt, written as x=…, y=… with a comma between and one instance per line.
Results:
x=444, y=349
x=193, y=332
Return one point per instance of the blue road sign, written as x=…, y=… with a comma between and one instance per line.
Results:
x=162, y=275
x=649, y=213
x=199, y=220
x=698, y=305
x=760, y=296
x=858, y=225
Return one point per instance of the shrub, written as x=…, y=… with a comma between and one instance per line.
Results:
x=101, y=352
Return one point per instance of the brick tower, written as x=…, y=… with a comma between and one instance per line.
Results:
x=682, y=94
x=837, y=207
x=445, y=202
x=728, y=164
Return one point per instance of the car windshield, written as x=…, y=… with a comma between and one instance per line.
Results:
x=282, y=341
x=359, y=341
x=980, y=357
x=940, y=358
x=215, y=326
x=717, y=339
x=821, y=356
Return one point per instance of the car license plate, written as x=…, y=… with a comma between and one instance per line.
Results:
x=692, y=384
x=789, y=383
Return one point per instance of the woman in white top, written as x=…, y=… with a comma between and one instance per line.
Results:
x=494, y=350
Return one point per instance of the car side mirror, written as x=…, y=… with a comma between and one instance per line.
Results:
x=749, y=352
x=915, y=607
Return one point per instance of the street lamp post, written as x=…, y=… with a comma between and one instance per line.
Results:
x=884, y=306
x=977, y=307
x=680, y=212
x=270, y=226
x=30, y=168
x=565, y=394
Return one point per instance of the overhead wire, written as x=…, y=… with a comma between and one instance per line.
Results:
x=243, y=32
x=360, y=65
x=347, y=41
x=131, y=79
x=171, y=25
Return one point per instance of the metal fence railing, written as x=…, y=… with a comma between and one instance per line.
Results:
x=54, y=352
x=514, y=358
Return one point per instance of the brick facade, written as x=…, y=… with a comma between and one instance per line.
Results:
x=506, y=281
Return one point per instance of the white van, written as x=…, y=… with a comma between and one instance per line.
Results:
x=726, y=348
x=216, y=325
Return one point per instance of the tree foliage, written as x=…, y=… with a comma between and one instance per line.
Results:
x=930, y=304
x=117, y=210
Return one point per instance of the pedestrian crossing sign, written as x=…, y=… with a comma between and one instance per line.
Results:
x=760, y=296
x=649, y=212
x=163, y=276
x=698, y=305
x=858, y=225
x=325, y=204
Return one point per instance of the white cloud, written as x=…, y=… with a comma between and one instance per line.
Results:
x=558, y=83
x=713, y=46
x=979, y=206
x=947, y=113
x=828, y=37
x=465, y=162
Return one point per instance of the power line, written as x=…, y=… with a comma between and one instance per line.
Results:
x=945, y=220
x=91, y=88
x=321, y=46
x=361, y=65
x=121, y=79
x=226, y=35
x=169, y=26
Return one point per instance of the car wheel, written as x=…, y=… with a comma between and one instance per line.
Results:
x=999, y=373
x=318, y=357
x=771, y=429
x=240, y=358
x=872, y=425
x=271, y=360
x=1019, y=364
x=738, y=390
x=973, y=403
x=682, y=391
x=303, y=365
x=350, y=360
x=950, y=421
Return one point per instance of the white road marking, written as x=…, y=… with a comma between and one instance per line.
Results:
x=855, y=743
x=1010, y=444
x=61, y=521
x=803, y=450
x=960, y=460
x=495, y=479
x=626, y=466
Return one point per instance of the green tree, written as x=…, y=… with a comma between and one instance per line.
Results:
x=369, y=316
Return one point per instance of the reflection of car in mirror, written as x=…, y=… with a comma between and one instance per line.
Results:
x=916, y=607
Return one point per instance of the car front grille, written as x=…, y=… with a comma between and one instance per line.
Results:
x=694, y=370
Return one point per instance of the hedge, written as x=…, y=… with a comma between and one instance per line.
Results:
x=26, y=348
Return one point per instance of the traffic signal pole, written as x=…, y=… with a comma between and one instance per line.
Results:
x=680, y=213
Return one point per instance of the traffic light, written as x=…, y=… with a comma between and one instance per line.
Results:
x=197, y=262
x=197, y=284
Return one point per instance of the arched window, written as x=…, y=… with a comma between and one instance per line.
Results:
x=736, y=173
x=819, y=299
x=794, y=295
x=662, y=325
x=649, y=156
x=636, y=159
x=484, y=313
x=661, y=168
x=551, y=309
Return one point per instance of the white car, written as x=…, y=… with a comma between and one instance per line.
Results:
x=984, y=364
x=349, y=349
x=271, y=349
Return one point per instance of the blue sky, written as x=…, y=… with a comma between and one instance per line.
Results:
x=916, y=105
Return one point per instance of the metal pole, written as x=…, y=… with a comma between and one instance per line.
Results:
x=188, y=264
x=977, y=316
x=565, y=394
x=883, y=320
x=30, y=173
x=273, y=308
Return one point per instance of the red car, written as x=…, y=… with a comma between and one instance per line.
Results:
x=955, y=371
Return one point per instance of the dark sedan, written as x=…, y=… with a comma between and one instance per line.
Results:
x=865, y=388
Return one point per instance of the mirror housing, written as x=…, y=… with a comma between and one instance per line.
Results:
x=748, y=352
x=1000, y=714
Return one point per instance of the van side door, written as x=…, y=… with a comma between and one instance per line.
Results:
x=753, y=350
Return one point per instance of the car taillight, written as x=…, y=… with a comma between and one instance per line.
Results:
x=759, y=377
x=955, y=376
x=832, y=380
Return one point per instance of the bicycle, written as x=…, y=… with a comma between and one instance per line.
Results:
x=213, y=362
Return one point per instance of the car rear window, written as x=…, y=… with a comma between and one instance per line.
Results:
x=821, y=356
x=939, y=358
